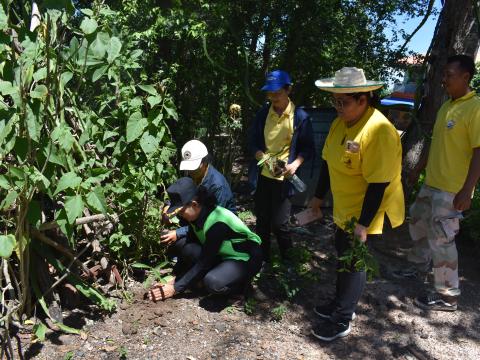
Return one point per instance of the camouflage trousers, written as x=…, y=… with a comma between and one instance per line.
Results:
x=433, y=226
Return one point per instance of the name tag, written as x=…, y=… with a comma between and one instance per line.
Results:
x=352, y=146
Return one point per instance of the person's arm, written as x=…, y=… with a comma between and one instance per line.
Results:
x=371, y=202
x=306, y=143
x=421, y=164
x=323, y=185
x=291, y=169
x=215, y=237
x=463, y=198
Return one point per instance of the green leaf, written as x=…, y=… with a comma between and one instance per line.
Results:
x=96, y=200
x=109, y=134
x=9, y=199
x=65, y=78
x=3, y=19
x=7, y=244
x=68, y=180
x=98, y=73
x=88, y=26
x=39, y=330
x=135, y=126
x=113, y=50
x=74, y=207
x=73, y=47
x=100, y=45
x=37, y=178
x=140, y=266
x=170, y=108
x=40, y=74
x=4, y=183
x=39, y=92
x=6, y=88
x=154, y=100
x=63, y=136
x=148, y=143
x=62, y=220
x=149, y=89
x=87, y=12
x=33, y=125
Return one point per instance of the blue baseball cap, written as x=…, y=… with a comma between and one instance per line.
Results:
x=276, y=80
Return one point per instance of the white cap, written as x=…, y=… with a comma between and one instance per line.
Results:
x=192, y=154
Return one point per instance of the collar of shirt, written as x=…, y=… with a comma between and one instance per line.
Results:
x=210, y=177
x=286, y=113
x=360, y=123
x=467, y=96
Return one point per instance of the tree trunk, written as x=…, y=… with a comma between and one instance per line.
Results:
x=456, y=33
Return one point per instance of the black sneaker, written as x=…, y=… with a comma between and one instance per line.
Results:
x=412, y=273
x=325, y=311
x=437, y=302
x=328, y=331
x=408, y=273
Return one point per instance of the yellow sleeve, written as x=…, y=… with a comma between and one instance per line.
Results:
x=474, y=128
x=381, y=154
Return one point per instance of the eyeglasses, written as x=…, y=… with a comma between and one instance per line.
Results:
x=340, y=104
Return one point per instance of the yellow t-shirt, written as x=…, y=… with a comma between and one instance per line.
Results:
x=278, y=134
x=455, y=134
x=368, y=152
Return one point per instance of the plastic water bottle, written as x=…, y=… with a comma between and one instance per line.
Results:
x=297, y=183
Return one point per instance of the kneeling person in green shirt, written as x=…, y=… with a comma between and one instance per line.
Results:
x=222, y=250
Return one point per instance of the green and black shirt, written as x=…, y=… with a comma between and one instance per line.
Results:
x=223, y=236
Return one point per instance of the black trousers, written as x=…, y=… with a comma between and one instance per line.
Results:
x=350, y=285
x=226, y=276
x=272, y=210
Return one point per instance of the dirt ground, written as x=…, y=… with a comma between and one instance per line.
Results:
x=193, y=326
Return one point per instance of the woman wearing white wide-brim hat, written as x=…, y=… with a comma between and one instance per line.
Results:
x=361, y=165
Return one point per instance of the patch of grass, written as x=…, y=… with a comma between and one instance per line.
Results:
x=122, y=352
x=278, y=312
x=250, y=306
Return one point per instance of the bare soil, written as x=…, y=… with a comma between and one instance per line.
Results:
x=195, y=326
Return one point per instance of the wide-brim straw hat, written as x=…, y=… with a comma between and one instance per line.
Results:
x=348, y=80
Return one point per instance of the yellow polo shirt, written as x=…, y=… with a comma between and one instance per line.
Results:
x=368, y=152
x=455, y=134
x=278, y=133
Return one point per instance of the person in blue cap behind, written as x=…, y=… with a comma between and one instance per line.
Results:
x=282, y=136
x=221, y=250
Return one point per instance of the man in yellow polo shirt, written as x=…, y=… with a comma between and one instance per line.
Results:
x=453, y=169
x=281, y=132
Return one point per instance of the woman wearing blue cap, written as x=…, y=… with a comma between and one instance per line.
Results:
x=282, y=136
x=221, y=249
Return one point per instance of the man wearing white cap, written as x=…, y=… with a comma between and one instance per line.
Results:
x=196, y=162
